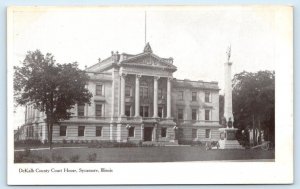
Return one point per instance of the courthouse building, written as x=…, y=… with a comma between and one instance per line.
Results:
x=136, y=98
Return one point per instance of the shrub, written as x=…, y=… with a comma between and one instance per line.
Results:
x=112, y=144
x=64, y=141
x=149, y=145
x=125, y=144
x=140, y=143
x=92, y=157
x=190, y=142
x=27, y=143
x=71, y=141
x=74, y=158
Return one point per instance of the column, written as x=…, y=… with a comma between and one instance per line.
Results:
x=113, y=94
x=137, y=95
x=154, y=133
x=155, y=97
x=26, y=114
x=123, y=94
x=142, y=132
x=111, y=132
x=169, y=98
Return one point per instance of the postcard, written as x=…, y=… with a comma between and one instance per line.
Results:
x=112, y=95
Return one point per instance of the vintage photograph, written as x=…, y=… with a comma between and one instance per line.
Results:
x=145, y=84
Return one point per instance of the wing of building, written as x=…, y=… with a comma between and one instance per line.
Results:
x=135, y=98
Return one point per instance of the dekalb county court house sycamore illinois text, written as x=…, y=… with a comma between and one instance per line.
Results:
x=135, y=98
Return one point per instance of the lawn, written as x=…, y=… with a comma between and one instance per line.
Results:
x=148, y=154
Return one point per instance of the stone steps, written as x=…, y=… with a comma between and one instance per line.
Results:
x=230, y=144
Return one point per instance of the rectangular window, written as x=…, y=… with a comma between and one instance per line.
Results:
x=98, y=131
x=144, y=111
x=163, y=132
x=63, y=131
x=131, y=132
x=128, y=91
x=98, y=110
x=194, y=133
x=194, y=114
x=128, y=110
x=144, y=92
x=160, y=112
x=80, y=110
x=194, y=96
x=180, y=95
x=160, y=93
x=81, y=130
x=207, y=133
x=27, y=131
x=141, y=111
x=99, y=91
x=180, y=114
x=207, y=95
x=207, y=114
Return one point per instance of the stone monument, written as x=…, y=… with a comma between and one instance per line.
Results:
x=227, y=133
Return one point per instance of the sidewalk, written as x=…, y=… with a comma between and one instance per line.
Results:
x=37, y=149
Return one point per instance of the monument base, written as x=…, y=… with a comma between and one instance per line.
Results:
x=228, y=139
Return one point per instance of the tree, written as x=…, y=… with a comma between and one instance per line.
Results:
x=51, y=87
x=254, y=102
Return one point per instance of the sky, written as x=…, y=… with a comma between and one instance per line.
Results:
x=196, y=37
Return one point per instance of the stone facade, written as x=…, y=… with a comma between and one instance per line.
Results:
x=135, y=98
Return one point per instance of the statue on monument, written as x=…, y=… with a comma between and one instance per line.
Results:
x=230, y=123
x=228, y=52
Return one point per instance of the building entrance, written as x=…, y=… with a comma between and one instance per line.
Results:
x=148, y=133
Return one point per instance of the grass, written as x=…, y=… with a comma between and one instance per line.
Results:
x=155, y=154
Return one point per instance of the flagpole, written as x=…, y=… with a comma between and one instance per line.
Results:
x=145, y=27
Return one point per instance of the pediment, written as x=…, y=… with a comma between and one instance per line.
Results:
x=149, y=59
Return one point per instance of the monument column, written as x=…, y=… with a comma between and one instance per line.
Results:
x=169, y=97
x=228, y=90
x=155, y=97
x=228, y=135
x=123, y=76
x=137, y=95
